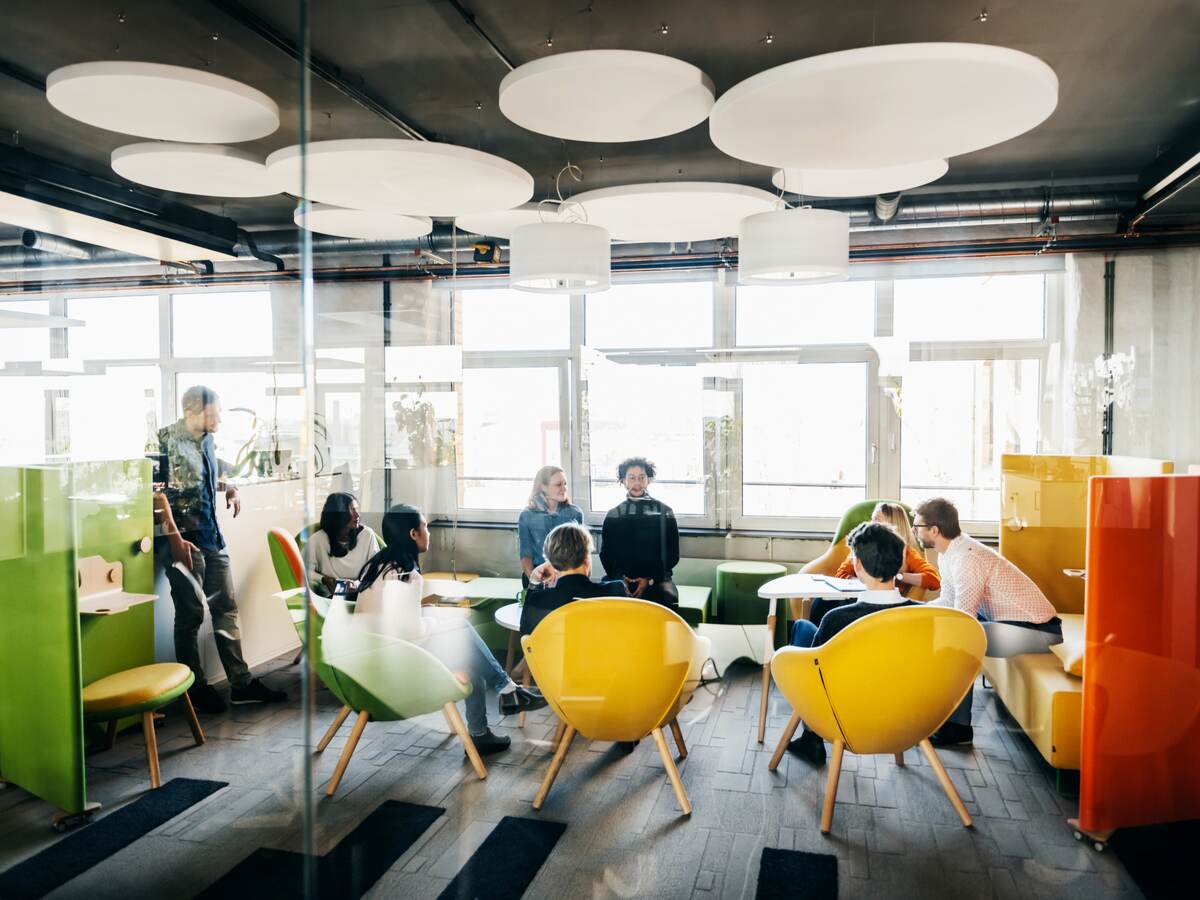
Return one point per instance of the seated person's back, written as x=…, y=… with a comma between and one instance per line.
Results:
x=568, y=550
x=878, y=553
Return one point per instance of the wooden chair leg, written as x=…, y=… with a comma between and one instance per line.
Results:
x=672, y=772
x=151, y=748
x=511, y=654
x=450, y=711
x=831, y=785
x=784, y=740
x=193, y=723
x=333, y=729
x=900, y=759
x=559, y=731
x=947, y=784
x=555, y=764
x=110, y=736
x=677, y=734
x=525, y=682
x=348, y=751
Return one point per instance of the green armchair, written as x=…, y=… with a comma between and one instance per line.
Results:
x=384, y=679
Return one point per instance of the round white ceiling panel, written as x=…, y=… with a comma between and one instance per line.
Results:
x=503, y=223
x=673, y=211
x=858, y=182
x=166, y=103
x=210, y=170
x=883, y=106
x=606, y=96
x=371, y=225
x=421, y=177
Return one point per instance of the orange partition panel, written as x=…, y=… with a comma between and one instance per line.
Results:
x=1141, y=670
x=1043, y=518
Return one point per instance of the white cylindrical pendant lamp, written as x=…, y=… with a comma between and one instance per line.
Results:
x=794, y=246
x=560, y=258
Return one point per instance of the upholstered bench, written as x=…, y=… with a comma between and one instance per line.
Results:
x=141, y=691
x=1044, y=698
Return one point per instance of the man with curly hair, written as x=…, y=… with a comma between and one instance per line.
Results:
x=640, y=540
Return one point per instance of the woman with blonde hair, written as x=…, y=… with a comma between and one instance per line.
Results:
x=549, y=506
x=917, y=571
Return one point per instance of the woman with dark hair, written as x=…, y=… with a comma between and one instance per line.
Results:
x=454, y=642
x=342, y=546
x=549, y=506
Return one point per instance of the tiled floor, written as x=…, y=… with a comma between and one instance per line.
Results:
x=894, y=833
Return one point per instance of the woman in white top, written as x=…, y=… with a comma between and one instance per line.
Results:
x=406, y=533
x=343, y=546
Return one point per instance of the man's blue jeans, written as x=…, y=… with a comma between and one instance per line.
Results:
x=803, y=632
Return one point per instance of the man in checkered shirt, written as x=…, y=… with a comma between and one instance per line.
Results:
x=976, y=579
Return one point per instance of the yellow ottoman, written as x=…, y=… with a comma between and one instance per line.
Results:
x=141, y=691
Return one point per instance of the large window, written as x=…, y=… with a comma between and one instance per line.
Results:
x=512, y=426
x=958, y=418
x=651, y=316
x=804, y=439
x=24, y=343
x=514, y=320
x=211, y=325
x=650, y=411
x=116, y=327
x=822, y=314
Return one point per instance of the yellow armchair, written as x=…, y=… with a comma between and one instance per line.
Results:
x=882, y=685
x=615, y=670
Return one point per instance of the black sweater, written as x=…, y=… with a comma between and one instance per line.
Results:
x=541, y=601
x=640, y=540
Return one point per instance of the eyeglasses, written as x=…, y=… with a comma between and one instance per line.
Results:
x=919, y=525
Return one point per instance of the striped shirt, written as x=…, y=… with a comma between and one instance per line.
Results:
x=977, y=579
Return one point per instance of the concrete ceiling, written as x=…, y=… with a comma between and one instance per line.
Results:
x=1129, y=74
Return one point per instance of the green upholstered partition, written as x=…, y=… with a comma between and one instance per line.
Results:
x=49, y=517
x=41, y=713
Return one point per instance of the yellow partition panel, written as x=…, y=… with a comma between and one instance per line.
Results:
x=1043, y=518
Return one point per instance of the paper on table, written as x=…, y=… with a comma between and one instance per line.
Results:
x=848, y=585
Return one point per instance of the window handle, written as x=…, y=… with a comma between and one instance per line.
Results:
x=874, y=453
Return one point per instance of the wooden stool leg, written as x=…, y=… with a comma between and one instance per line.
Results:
x=831, y=785
x=151, y=748
x=947, y=784
x=677, y=733
x=559, y=731
x=450, y=711
x=555, y=764
x=768, y=652
x=784, y=739
x=672, y=771
x=193, y=722
x=900, y=759
x=359, y=724
x=333, y=728
x=110, y=736
x=512, y=651
x=525, y=682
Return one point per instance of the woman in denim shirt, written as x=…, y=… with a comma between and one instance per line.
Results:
x=549, y=506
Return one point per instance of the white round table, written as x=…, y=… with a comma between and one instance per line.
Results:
x=788, y=587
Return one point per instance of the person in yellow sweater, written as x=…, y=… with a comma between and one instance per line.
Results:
x=916, y=571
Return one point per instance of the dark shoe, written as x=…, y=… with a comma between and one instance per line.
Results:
x=520, y=700
x=256, y=692
x=488, y=743
x=952, y=734
x=205, y=698
x=626, y=747
x=809, y=747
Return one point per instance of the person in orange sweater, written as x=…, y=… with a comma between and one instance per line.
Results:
x=917, y=571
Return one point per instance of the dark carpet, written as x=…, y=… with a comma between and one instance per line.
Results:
x=1161, y=859
x=80, y=850
x=348, y=870
x=507, y=861
x=795, y=873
